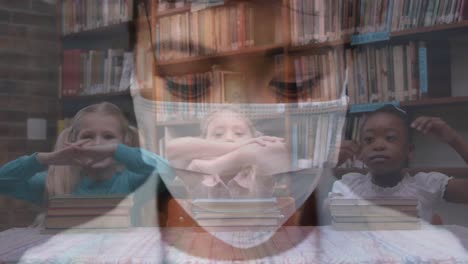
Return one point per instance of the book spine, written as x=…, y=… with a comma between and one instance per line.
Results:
x=423, y=78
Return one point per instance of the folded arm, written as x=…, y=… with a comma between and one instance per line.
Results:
x=268, y=160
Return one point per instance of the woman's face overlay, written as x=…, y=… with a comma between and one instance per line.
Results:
x=300, y=137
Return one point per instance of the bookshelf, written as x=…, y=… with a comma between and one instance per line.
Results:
x=97, y=42
x=340, y=33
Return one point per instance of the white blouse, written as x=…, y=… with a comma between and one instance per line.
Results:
x=427, y=188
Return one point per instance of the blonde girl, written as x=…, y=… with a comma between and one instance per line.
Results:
x=94, y=155
x=237, y=157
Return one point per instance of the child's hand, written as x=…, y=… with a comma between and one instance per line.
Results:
x=69, y=155
x=262, y=140
x=436, y=127
x=348, y=150
x=96, y=156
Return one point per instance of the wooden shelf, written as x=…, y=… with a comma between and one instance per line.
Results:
x=100, y=32
x=259, y=50
x=115, y=36
x=319, y=45
x=173, y=11
x=101, y=96
x=458, y=172
x=178, y=10
x=72, y=104
x=192, y=64
x=425, y=102
x=396, y=35
x=431, y=29
x=428, y=102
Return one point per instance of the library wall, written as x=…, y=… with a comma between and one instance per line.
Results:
x=28, y=89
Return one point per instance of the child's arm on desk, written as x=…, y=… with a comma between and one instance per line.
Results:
x=269, y=159
x=456, y=189
x=190, y=148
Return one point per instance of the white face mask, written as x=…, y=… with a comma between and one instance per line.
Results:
x=301, y=141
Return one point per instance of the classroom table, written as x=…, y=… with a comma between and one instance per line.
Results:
x=291, y=244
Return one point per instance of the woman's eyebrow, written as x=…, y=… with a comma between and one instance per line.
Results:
x=171, y=45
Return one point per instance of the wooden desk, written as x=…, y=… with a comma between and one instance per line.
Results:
x=447, y=244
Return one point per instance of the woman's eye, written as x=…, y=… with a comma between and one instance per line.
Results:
x=188, y=88
x=391, y=138
x=292, y=90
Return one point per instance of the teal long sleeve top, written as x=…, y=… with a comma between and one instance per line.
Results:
x=25, y=177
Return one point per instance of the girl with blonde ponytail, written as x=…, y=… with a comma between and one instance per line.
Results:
x=96, y=154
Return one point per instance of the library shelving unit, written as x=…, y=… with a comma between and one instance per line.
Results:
x=97, y=42
x=314, y=37
x=396, y=51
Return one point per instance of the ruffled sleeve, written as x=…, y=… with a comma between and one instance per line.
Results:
x=347, y=185
x=433, y=183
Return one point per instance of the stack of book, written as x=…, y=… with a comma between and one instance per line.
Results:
x=103, y=211
x=237, y=212
x=374, y=214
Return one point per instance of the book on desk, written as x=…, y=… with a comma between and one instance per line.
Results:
x=379, y=213
x=89, y=211
x=237, y=212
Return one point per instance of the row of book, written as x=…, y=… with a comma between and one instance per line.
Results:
x=324, y=20
x=315, y=140
x=386, y=73
x=310, y=20
x=416, y=13
x=96, y=71
x=80, y=15
x=209, y=31
x=236, y=212
x=320, y=20
x=89, y=211
x=374, y=213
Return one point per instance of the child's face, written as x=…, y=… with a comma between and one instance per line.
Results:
x=384, y=144
x=228, y=127
x=100, y=129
